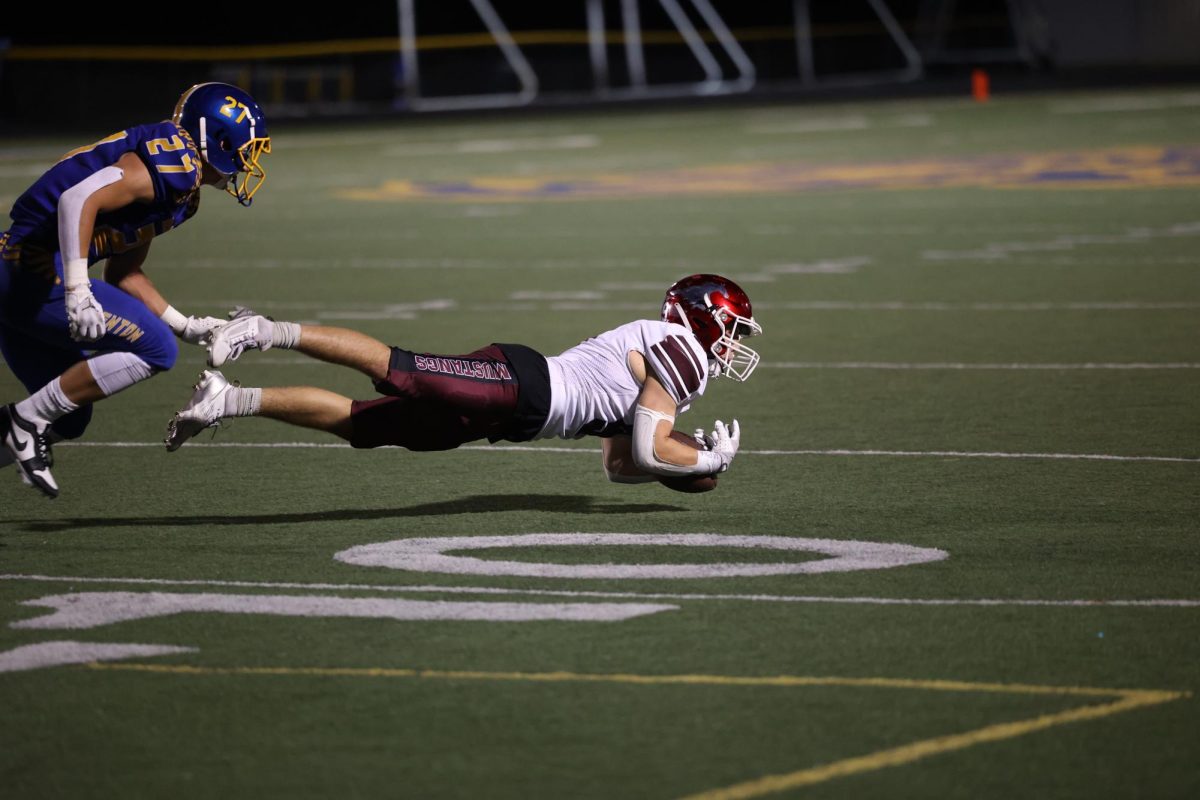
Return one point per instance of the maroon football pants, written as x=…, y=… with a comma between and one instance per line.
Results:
x=438, y=402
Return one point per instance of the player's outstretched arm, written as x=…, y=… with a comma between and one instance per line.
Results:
x=657, y=451
x=124, y=271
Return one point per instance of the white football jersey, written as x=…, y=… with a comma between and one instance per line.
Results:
x=593, y=391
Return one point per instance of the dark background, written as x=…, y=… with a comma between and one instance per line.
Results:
x=108, y=78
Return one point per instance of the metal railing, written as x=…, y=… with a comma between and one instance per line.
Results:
x=721, y=57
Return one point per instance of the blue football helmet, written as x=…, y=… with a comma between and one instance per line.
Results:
x=230, y=131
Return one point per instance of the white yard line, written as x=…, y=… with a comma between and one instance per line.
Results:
x=813, y=125
x=899, y=305
x=1122, y=103
x=191, y=445
x=644, y=310
x=490, y=146
x=965, y=366
x=973, y=454
x=514, y=448
x=596, y=301
x=301, y=361
x=848, y=122
x=994, y=251
x=756, y=598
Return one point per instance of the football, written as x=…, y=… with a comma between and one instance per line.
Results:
x=688, y=483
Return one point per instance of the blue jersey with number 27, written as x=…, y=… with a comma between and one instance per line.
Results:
x=174, y=165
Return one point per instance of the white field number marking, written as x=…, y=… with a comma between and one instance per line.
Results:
x=54, y=654
x=433, y=555
x=94, y=609
x=585, y=451
x=945, y=602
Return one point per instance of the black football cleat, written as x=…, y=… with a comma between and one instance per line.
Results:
x=30, y=448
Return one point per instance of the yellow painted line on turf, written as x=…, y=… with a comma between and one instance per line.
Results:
x=1126, y=700
x=907, y=754
x=618, y=677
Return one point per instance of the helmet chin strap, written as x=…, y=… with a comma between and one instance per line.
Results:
x=204, y=138
x=223, y=182
x=683, y=318
x=714, y=364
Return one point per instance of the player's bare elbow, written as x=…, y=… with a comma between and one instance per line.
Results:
x=613, y=466
x=618, y=462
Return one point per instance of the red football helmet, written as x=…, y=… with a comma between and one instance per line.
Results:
x=718, y=312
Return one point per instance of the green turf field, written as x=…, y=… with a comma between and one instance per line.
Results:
x=981, y=342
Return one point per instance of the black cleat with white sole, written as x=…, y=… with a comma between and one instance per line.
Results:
x=30, y=448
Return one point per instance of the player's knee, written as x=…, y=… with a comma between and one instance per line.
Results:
x=157, y=347
x=166, y=356
x=72, y=426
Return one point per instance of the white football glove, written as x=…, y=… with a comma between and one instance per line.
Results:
x=725, y=442
x=198, y=330
x=85, y=316
x=702, y=439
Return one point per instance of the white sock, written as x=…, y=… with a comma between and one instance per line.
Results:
x=285, y=335
x=242, y=401
x=46, y=404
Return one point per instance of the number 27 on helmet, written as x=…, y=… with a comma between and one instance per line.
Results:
x=230, y=131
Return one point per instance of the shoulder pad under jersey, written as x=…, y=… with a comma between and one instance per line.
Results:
x=172, y=159
x=677, y=366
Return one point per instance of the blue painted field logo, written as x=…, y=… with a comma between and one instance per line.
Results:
x=435, y=555
x=1113, y=168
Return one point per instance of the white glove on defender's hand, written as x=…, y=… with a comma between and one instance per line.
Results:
x=85, y=316
x=198, y=330
x=726, y=442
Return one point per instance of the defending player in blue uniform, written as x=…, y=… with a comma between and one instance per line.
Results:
x=73, y=341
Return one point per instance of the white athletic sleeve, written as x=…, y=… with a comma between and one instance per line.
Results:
x=70, y=209
x=645, y=422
